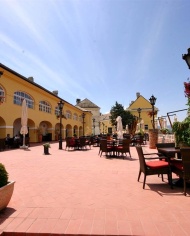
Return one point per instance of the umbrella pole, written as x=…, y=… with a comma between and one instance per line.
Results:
x=23, y=140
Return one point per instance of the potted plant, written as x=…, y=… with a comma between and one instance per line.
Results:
x=151, y=113
x=164, y=131
x=6, y=187
x=46, y=148
x=182, y=132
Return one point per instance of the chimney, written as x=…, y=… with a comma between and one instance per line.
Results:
x=55, y=92
x=31, y=79
x=78, y=100
x=138, y=94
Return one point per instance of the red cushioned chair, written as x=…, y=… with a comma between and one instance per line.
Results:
x=182, y=169
x=105, y=147
x=70, y=143
x=152, y=165
x=123, y=147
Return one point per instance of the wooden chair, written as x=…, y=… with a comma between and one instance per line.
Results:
x=124, y=147
x=104, y=147
x=152, y=165
x=70, y=143
x=182, y=169
x=83, y=142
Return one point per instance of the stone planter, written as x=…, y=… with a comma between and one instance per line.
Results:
x=153, y=138
x=46, y=150
x=6, y=194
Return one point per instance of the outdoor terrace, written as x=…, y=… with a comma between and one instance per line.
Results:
x=81, y=193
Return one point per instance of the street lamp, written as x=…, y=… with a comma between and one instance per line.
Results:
x=60, y=106
x=94, y=124
x=103, y=127
x=186, y=57
x=139, y=111
x=83, y=116
x=152, y=100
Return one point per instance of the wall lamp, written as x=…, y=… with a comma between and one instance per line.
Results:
x=186, y=57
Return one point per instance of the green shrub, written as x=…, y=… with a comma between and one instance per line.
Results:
x=3, y=175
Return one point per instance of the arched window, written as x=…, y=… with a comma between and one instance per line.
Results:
x=56, y=111
x=19, y=96
x=75, y=116
x=2, y=95
x=68, y=114
x=44, y=106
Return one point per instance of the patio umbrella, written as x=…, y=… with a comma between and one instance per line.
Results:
x=24, y=120
x=119, y=128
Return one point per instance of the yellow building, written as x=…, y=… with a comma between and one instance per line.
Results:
x=42, y=110
x=146, y=108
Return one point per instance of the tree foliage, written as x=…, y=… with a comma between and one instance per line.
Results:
x=118, y=110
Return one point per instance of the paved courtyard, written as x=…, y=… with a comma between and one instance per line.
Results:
x=81, y=193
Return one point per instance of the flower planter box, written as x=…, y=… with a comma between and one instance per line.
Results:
x=6, y=194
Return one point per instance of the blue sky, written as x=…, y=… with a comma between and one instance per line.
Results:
x=103, y=50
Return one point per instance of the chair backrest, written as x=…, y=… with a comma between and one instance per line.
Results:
x=185, y=154
x=103, y=145
x=70, y=141
x=126, y=144
x=141, y=158
x=82, y=141
x=163, y=145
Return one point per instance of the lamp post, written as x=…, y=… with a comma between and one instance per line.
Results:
x=186, y=57
x=103, y=127
x=83, y=116
x=139, y=111
x=152, y=100
x=60, y=105
x=94, y=124
x=99, y=126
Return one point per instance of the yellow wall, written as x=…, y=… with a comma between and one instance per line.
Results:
x=145, y=105
x=10, y=113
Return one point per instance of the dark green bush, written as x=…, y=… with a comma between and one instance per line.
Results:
x=3, y=175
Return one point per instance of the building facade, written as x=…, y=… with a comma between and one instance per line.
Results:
x=144, y=116
x=43, y=112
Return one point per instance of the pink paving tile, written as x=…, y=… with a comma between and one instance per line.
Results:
x=37, y=225
x=4, y=222
x=24, y=212
x=73, y=226
x=99, y=214
x=149, y=228
x=98, y=227
x=13, y=224
x=56, y=213
x=111, y=214
x=124, y=227
x=163, y=228
x=111, y=227
x=78, y=213
x=89, y=214
x=85, y=227
x=48, y=226
x=136, y=228
x=60, y=226
x=26, y=223
x=67, y=213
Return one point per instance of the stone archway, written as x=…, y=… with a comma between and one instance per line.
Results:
x=45, y=130
x=2, y=128
x=68, y=130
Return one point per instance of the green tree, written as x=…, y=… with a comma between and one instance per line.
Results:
x=118, y=110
